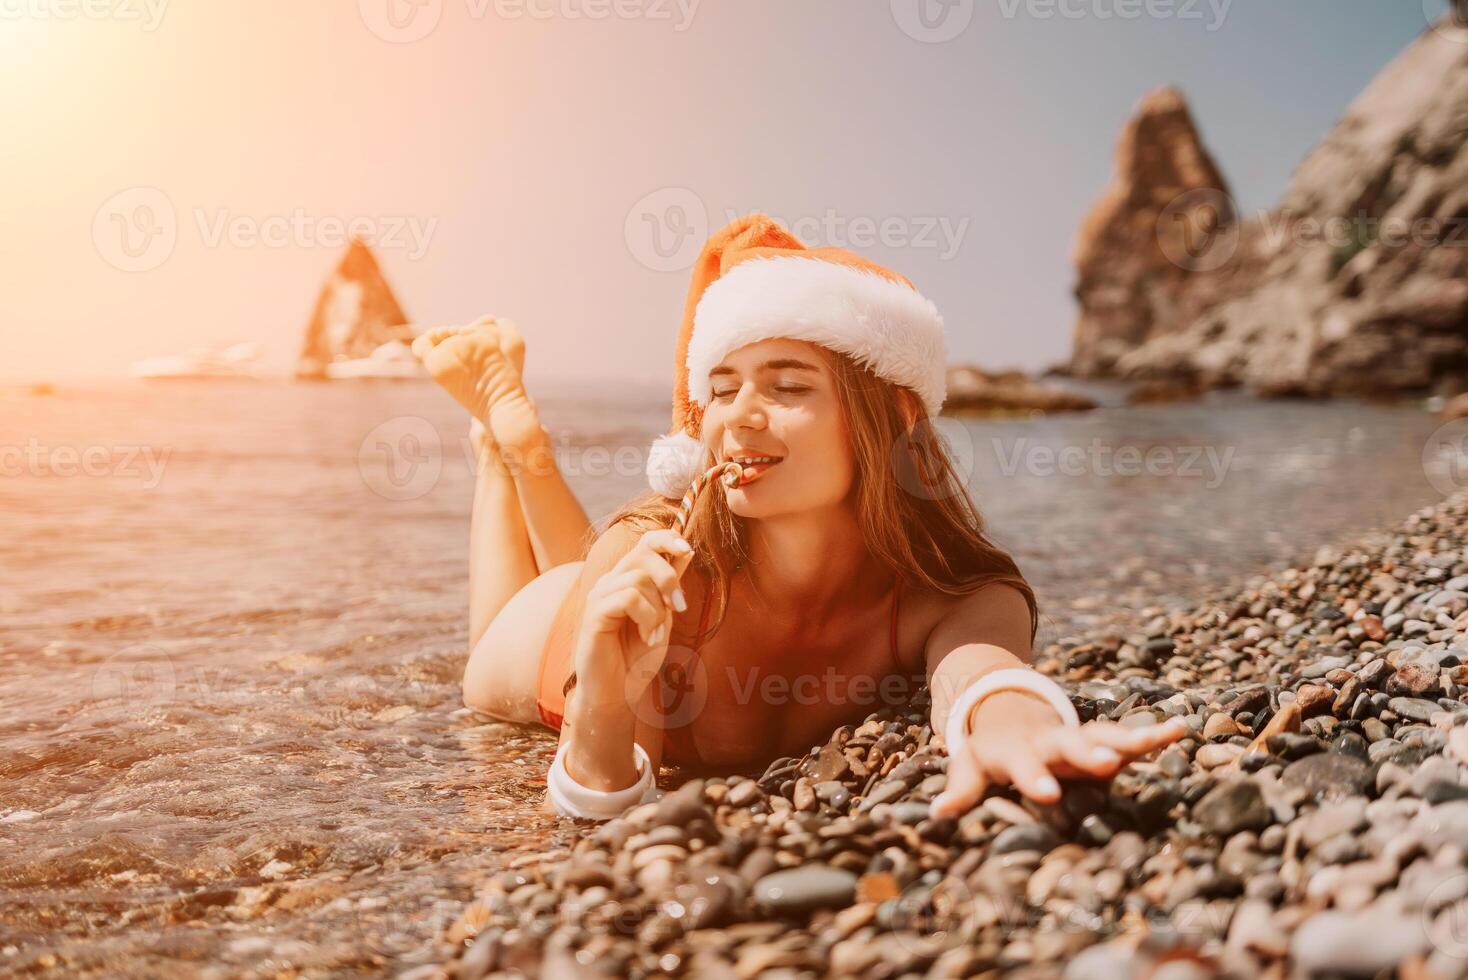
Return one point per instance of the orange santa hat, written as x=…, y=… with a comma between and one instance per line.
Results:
x=756, y=281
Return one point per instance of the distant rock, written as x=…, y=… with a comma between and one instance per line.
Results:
x=971, y=389
x=238, y=361
x=1165, y=205
x=1161, y=390
x=392, y=361
x=1357, y=283
x=356, y=315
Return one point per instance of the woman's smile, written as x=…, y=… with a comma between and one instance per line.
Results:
x=752, y=465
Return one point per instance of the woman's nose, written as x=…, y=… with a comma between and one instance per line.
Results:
x=747, y=409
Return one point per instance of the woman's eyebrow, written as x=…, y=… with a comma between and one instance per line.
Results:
x=779, y=362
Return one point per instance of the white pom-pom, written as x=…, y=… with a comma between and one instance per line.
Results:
x=674, y=462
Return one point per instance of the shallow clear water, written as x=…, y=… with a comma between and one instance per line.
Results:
x=233, y=620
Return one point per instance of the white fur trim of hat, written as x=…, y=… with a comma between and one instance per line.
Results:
x=882, y=324
x=674, y=462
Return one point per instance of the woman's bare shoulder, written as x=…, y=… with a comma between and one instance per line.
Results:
x=928, y=613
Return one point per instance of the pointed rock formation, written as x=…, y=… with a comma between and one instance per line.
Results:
x=356, y=313
x=1157, y=226
x=1358, y=282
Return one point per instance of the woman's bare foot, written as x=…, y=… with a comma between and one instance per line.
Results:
x=479, y=365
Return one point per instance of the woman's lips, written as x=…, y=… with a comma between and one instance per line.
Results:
x=749, y=472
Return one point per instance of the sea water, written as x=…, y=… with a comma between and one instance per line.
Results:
x=233, y=620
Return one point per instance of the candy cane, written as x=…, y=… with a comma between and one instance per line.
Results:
x=731, y=473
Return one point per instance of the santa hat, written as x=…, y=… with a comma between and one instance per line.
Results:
x=756, y=281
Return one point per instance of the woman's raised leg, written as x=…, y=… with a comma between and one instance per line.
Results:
x=510, y=545
x=554, y=519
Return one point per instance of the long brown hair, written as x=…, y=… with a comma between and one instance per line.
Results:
x=914, y=510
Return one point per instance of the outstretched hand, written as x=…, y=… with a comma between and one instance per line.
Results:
x=1019, y=739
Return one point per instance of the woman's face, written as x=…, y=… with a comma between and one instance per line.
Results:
x=778, y=398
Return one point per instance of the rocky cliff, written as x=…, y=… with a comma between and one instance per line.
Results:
x=356, y=313
x=1356, y=283
x=1167, y=197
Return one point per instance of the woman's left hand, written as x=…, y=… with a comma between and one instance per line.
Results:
x=1019, y=739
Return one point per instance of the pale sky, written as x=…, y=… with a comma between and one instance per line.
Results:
x=179, y=173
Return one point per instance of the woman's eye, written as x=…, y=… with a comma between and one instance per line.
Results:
x=786, y=389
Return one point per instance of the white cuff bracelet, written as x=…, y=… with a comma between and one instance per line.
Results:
x=571, y=799
x=1007, y=679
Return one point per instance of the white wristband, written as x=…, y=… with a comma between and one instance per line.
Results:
x=571, y=799
x=1007, y=679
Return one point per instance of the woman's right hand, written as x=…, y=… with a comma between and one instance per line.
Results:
x=628, y=618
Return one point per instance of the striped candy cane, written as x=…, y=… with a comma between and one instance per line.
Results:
x=731, y=473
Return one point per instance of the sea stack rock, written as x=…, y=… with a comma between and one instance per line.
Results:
x=356, y=313
x=1357, y=283
x=1153, y=230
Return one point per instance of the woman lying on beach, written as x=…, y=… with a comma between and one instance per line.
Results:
x=817, y=373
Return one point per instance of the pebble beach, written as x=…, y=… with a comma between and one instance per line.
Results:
x=233, y=743
x=1315, y=822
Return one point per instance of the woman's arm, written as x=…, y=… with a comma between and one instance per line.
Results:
x=625, y=594
x=1017, y=736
